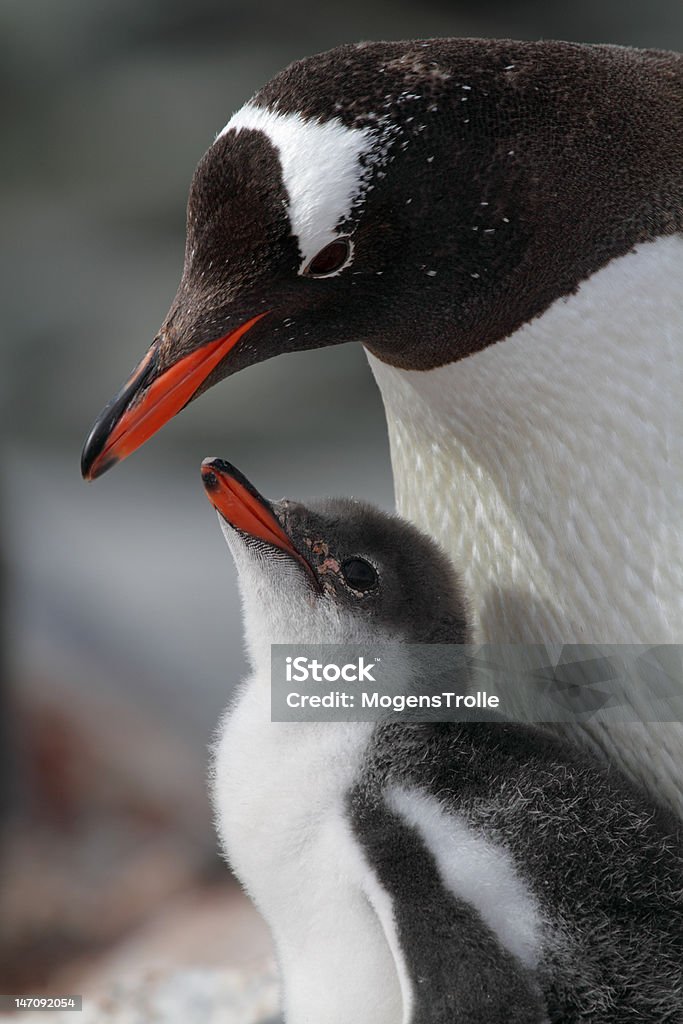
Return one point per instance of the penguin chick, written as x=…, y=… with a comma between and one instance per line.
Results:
x=441, y=873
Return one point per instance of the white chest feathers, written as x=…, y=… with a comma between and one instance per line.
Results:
x=279, y=792
x=550, y=465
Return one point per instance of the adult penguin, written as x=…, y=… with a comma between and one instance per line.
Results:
x=500, y=224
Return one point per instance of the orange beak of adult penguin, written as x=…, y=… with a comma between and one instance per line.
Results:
x=241, y=505
x=148, y=400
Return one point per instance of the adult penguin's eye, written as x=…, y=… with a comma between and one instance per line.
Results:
x=359, y=574
x=330, y=259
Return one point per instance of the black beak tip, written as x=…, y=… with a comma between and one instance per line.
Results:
x=92, y=450
x=209, y=479
x=90, y=472
x=88, y=459
x=85, y=466
x=111, y=414
x=211, y=468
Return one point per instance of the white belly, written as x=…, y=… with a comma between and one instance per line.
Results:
x=279, y=798
x=550, y=467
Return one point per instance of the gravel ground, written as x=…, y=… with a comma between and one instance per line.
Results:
x=190, y=996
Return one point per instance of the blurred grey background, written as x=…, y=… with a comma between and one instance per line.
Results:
x=121, y=619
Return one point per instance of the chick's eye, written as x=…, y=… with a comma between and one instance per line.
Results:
x=359, y=574
x=330, y=259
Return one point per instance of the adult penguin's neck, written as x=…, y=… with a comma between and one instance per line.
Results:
x=550, y=465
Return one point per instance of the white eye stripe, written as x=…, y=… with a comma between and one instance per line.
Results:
x=323, y=171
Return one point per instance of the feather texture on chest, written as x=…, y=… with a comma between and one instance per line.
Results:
x=550, y=466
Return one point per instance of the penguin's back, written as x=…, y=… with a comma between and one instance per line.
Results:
x=522, y=874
